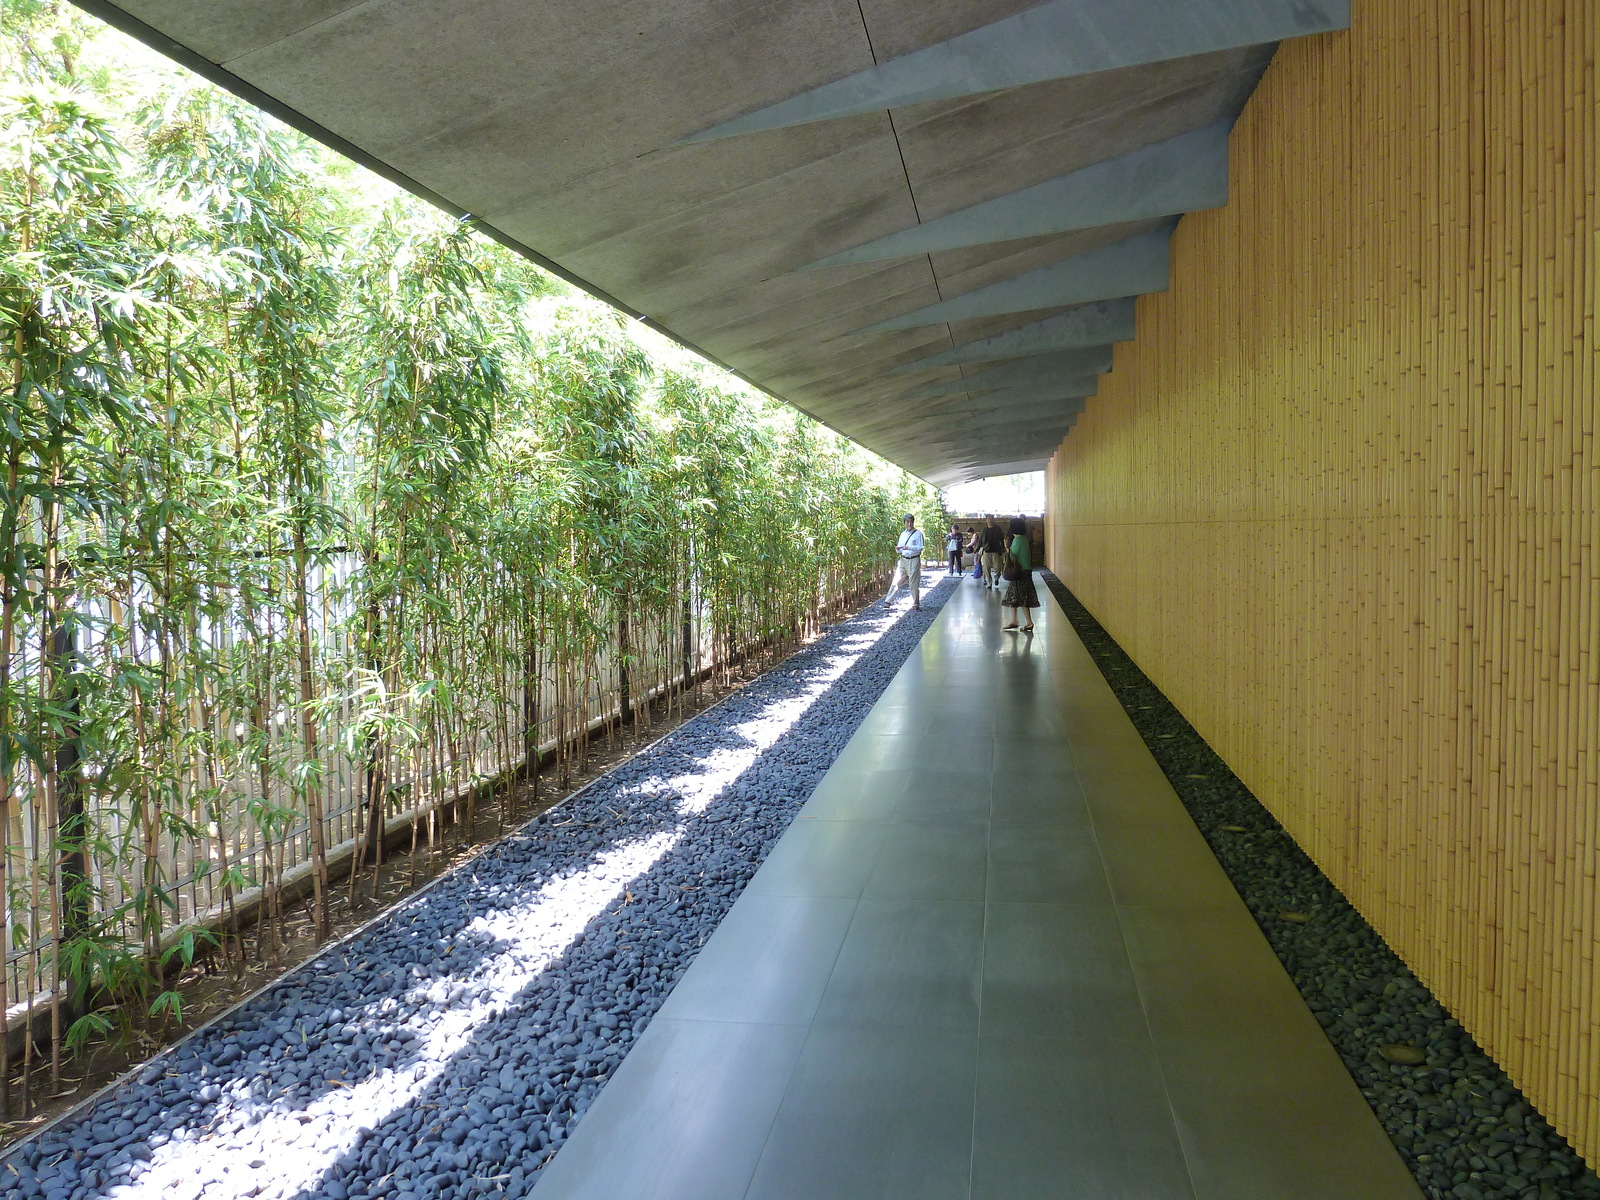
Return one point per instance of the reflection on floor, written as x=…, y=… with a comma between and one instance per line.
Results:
x=993, y=958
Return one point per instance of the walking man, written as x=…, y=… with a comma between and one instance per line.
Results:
x=908, y=563
x=994, y=552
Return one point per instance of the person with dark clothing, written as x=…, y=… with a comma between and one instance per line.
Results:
x=993, y=546
x=1021, y=596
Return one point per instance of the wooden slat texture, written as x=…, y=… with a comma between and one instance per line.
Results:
x=1339, y=498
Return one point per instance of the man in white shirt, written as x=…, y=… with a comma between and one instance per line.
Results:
x=908, y=563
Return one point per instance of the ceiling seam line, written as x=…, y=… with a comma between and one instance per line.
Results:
x=218, y=75
x=294, y=33
x=905, y=172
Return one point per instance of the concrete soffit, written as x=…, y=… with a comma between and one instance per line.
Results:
x=1127, y=268
x=1057, y=40
x=994, y=194
x=1182, y=174
x=1040, y=391
x=985, y=455
x=1015, y=443
x=1066, y=364
x=1089, y=325
x=976, y=416
x=1179, y=174
x=983, y=421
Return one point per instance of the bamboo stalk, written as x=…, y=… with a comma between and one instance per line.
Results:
x=1370, y=398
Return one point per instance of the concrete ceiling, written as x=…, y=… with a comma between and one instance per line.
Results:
x=858, y=205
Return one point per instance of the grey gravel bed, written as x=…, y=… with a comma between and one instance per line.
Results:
x=1460, y=1124
x=448, y=1050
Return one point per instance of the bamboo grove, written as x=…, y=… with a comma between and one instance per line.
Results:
x=323, y=513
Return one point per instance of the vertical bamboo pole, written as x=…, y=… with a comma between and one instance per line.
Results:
x=1368, y=570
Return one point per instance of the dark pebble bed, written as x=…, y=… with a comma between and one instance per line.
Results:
x=1460, y=1124
x=448, y=1049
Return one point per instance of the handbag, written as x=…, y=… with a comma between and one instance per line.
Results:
x=1013, y=569
x=977, y=569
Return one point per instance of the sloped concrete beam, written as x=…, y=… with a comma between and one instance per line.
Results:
x=1020, y=403
x=1018, y=442
x=1009, y=468
x=1182, y=174
x=1011, y=443
x=1056, y=40
x=979, y=415
x=1003, y=421
x=1130, y=267
x=1067, y=364
x=984, y=455
x=1097, y=324
x=983, y=418
x=971, y=387
x=1043, y=392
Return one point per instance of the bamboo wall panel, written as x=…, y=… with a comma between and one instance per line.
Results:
x=1339, y=499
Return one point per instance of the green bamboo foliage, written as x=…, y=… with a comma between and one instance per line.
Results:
x=323, y=514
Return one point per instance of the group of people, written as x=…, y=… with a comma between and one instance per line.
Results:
x=1004, y=554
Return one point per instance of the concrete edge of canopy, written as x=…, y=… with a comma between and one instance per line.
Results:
x=214, y=73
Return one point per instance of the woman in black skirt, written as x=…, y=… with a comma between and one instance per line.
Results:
x=1021, y=596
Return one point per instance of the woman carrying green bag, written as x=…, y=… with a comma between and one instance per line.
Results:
x=1021, y=596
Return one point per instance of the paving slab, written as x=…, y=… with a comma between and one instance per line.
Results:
x=992, y=959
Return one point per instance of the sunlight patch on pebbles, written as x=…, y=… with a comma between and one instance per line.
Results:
x=270, y=1152
x=283, y=1147
x=718, y=769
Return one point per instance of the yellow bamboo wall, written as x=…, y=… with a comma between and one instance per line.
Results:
x=1338, y=499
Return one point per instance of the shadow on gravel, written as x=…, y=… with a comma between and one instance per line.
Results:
x=448, y=1050
x=1459, y=1122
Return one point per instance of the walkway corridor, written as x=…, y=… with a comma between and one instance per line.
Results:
x=993, y=958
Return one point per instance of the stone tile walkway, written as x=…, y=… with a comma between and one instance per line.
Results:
x=993, y=959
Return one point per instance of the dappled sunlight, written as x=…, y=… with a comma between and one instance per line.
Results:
x=292, y=1148
x=721, y=767
x=253, y=1143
